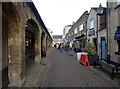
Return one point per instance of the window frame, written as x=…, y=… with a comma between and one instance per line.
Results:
x=75, y=31
x=91, y=26
x=81, y=27
x=118, y=2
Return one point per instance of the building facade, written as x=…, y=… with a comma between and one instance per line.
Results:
x=113, y=30
x=92, y=26
x=66, y=29
x=24, y=39
x=101, y=46
x=57, y=39
x=77, y=33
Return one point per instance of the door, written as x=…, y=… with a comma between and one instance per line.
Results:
x=95, y=42
x=103, y=50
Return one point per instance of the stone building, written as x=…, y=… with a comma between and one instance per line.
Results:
x=77, y=33
x=92, y=23
x=57, y=39
x=66, y=29
x=51, y=33
x=114, y=30
x=102, y=35
x=24, y=39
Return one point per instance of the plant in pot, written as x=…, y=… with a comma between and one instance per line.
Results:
x=91, y=50
x=66, y=46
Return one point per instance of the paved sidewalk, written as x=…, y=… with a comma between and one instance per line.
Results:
x=63, y=70
x=35, y=72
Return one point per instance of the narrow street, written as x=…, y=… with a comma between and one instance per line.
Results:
x=63, y=70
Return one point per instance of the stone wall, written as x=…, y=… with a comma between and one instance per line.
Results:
x=81, y=20
x=92, y=15
x=17, y=14
x=112, y=27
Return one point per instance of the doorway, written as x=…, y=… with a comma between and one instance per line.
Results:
x=103, y=48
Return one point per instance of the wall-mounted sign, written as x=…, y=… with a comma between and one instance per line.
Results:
x=91, y=32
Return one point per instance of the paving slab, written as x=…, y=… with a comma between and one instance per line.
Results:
x=63, y=70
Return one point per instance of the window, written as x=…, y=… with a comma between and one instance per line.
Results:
x=118, y=1
x=72, y=33
x=91, y=24
x=81, y=27
x=75, y=30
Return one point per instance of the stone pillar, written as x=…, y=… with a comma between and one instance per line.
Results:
x=0, y=44
x=40, y=44
x=37, y=46
x=45, y=43
x=16, y=52
x=16, y=45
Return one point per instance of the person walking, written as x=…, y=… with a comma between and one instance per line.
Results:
x=61, y=48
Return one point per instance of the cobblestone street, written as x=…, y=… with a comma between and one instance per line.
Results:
x=64, y=70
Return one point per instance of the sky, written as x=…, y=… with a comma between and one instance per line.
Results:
x=56, y=14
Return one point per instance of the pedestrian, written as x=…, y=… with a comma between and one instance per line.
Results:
x=61, y=48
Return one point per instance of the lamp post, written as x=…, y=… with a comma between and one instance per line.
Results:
x=100, y=11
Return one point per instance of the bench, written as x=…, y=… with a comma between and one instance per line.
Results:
x=113, y=66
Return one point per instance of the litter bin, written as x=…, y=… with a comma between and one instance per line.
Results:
x=79, y=55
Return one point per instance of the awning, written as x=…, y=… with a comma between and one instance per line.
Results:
x=117, y=34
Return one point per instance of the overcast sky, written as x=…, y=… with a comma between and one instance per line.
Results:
x=56, y=14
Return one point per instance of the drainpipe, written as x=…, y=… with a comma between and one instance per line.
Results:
x=107, y=31
x=97, y=33
x=1, y=44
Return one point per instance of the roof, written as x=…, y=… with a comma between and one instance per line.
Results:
x=85, y=13
x=33, y=8
x=95, y=8
x=57, y=36
x=68, y=26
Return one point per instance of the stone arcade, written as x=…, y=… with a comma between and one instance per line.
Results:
x=24, y=38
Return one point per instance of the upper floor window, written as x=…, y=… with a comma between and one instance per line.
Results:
x=72, y=33
x=118, y=1
x=91, y=24
x=75, y=31
x=81, y=27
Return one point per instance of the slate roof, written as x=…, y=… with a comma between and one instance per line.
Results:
x=33, y=8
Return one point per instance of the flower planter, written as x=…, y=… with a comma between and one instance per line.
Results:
x=92, y=59
x=79, y=55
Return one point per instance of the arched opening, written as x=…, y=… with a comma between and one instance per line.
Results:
x=4, y=50
x=31, y=42
x=43, y=45
x=9, y=36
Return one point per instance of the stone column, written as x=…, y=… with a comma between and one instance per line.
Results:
x=16, y=54
x=40, y=43
x=44, y=42
x=38, y=46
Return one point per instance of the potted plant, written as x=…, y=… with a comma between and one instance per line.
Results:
x=91, y=50
x=66, y=47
